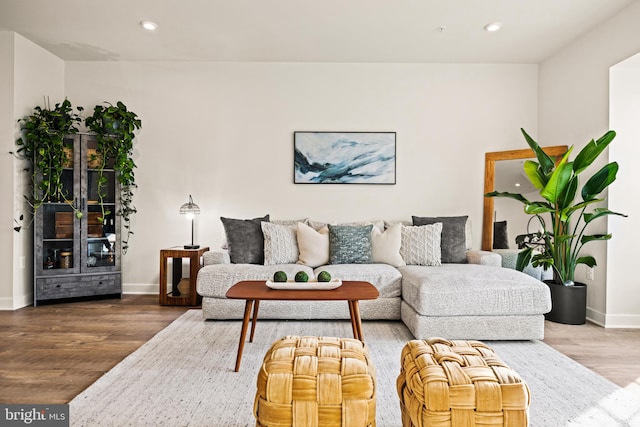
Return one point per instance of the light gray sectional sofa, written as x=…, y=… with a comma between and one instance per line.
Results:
x=475, y=298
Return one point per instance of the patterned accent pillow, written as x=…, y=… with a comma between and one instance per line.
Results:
x=385, y=246
x=245, y=239
x=313, y=245
x=421, y=244
x=349, y=244
x=454, y=241
x=280, y=244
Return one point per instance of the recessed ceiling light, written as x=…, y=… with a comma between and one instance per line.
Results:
x=494, y=26
x=517, y=184
x=148, y=25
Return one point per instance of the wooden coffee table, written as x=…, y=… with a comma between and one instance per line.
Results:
x=255, y=290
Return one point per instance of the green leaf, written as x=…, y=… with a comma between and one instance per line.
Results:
x=515, y=196
x=546, y=162
x=534, y=174
x=567, y=197
x=600, y=212
x=537, y=208
x=591, y=151
x=523, y=259
x=588, y=260
x=594, y=237
x=558, y=181
x=599, y=181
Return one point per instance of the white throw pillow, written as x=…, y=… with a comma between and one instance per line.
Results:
x=421, y=244
x=313, y=245
x=280, y=244
x=385, y=246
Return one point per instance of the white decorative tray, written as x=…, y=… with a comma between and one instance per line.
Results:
x=312, y=284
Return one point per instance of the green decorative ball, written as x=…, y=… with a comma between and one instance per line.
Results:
x=301, y=276
x=280, y=276
x=324, y=276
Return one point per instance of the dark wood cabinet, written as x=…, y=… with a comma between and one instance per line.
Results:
x=77, y=240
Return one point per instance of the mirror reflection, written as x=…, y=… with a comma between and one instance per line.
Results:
x=503, y=170
x=509, y=219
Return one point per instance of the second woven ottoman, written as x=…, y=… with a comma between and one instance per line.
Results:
x=459, y=383
x=316, y=381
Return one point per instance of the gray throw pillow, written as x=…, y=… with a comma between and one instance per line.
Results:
x=245, y=239
x=500, y=236
x=453, y=239
x=349, y=244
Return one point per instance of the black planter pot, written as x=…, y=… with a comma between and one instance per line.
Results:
x=568, y=303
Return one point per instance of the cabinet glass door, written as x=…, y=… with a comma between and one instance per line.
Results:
x=55, y=246
x=100, y=225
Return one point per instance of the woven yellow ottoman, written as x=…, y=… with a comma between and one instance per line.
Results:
x=459, y=383
x=316, y=381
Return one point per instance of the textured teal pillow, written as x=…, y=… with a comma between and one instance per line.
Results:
x=349, y=244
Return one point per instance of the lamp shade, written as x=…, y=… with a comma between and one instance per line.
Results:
x=190, y=209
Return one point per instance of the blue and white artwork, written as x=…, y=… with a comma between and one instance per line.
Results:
x=344, y=158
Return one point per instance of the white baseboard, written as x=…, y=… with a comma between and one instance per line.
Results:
x=140, y=288
x=16, y=303
x=6, y=303
x=623, y=321
x=613, y=320
x=596, y=317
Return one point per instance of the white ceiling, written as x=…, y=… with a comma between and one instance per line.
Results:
x=305, y=30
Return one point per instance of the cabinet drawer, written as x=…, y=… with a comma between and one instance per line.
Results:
x=77, y=286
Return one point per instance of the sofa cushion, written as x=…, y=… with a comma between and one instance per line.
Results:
x=384, y=277
x=472, y=290
x=454, y=242
x=280, y=243
x=313, y=245
x=215, y=280
x=385, y=245
x=245, y=239
x=349, y=244
x=421, y=244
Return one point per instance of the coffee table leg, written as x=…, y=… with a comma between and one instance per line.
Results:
x=254, y=319
x=353, y=320
x=356, y=318
x=243, y=332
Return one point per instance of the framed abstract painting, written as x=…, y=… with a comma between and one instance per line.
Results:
x=344, y=157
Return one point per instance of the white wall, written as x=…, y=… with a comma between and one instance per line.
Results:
x=623, y=287
x=28, y=73
x=223, y=132
x=574, y=108
x=6, y=168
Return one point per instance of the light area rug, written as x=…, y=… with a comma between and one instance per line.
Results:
x=184, y=377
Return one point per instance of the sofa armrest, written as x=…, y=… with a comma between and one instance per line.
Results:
x=484, y=258
x=218, y=256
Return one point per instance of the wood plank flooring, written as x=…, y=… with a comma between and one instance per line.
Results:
x=49, y=354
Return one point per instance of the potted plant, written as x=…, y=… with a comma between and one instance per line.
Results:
x=114, y=127
x=42, y=145
x=564, y=220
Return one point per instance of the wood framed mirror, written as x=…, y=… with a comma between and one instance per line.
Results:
x=490, y=183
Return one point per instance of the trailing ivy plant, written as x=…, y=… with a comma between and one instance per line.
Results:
x=114, y=127
x=42, y=146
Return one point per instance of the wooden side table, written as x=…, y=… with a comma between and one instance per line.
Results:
x=177, y=296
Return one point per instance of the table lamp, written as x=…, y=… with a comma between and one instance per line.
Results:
x=190, y=209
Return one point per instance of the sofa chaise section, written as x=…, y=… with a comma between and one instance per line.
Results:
x=467, y=301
